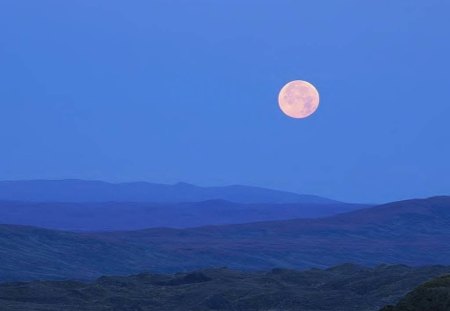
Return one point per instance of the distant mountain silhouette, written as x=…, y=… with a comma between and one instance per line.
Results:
x=342, y=288
x=98, y=191
x=112, y=216
x=414, y=232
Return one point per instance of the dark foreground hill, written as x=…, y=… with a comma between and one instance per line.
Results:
x=431, y=296
x=342, y=288
x=98, y=191
x=113, y=216
x=414, y=232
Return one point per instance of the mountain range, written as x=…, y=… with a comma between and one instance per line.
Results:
x=76, y=191
x=413, y=232
x=78, y=205
x=113, y=216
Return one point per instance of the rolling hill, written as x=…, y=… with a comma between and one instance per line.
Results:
x=414, y=232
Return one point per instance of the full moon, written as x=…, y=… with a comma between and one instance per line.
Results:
x=298, y=99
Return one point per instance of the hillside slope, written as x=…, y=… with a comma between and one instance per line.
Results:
x=414, y=232
x=433, y=296
x=342, y=288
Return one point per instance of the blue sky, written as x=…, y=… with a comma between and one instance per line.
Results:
x=169, y=91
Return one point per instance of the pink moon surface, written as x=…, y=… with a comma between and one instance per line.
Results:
x=298, y=99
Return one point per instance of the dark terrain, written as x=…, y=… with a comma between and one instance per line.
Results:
x=431, y=296
x=414, y=232
x=342, y=288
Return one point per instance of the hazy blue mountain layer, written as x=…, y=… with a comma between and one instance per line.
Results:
x=134, y=216
x=98, y=191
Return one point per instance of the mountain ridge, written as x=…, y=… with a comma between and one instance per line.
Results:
x=107, y=216
x=76, y=190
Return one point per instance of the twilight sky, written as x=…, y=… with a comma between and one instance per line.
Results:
x=186, y=90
